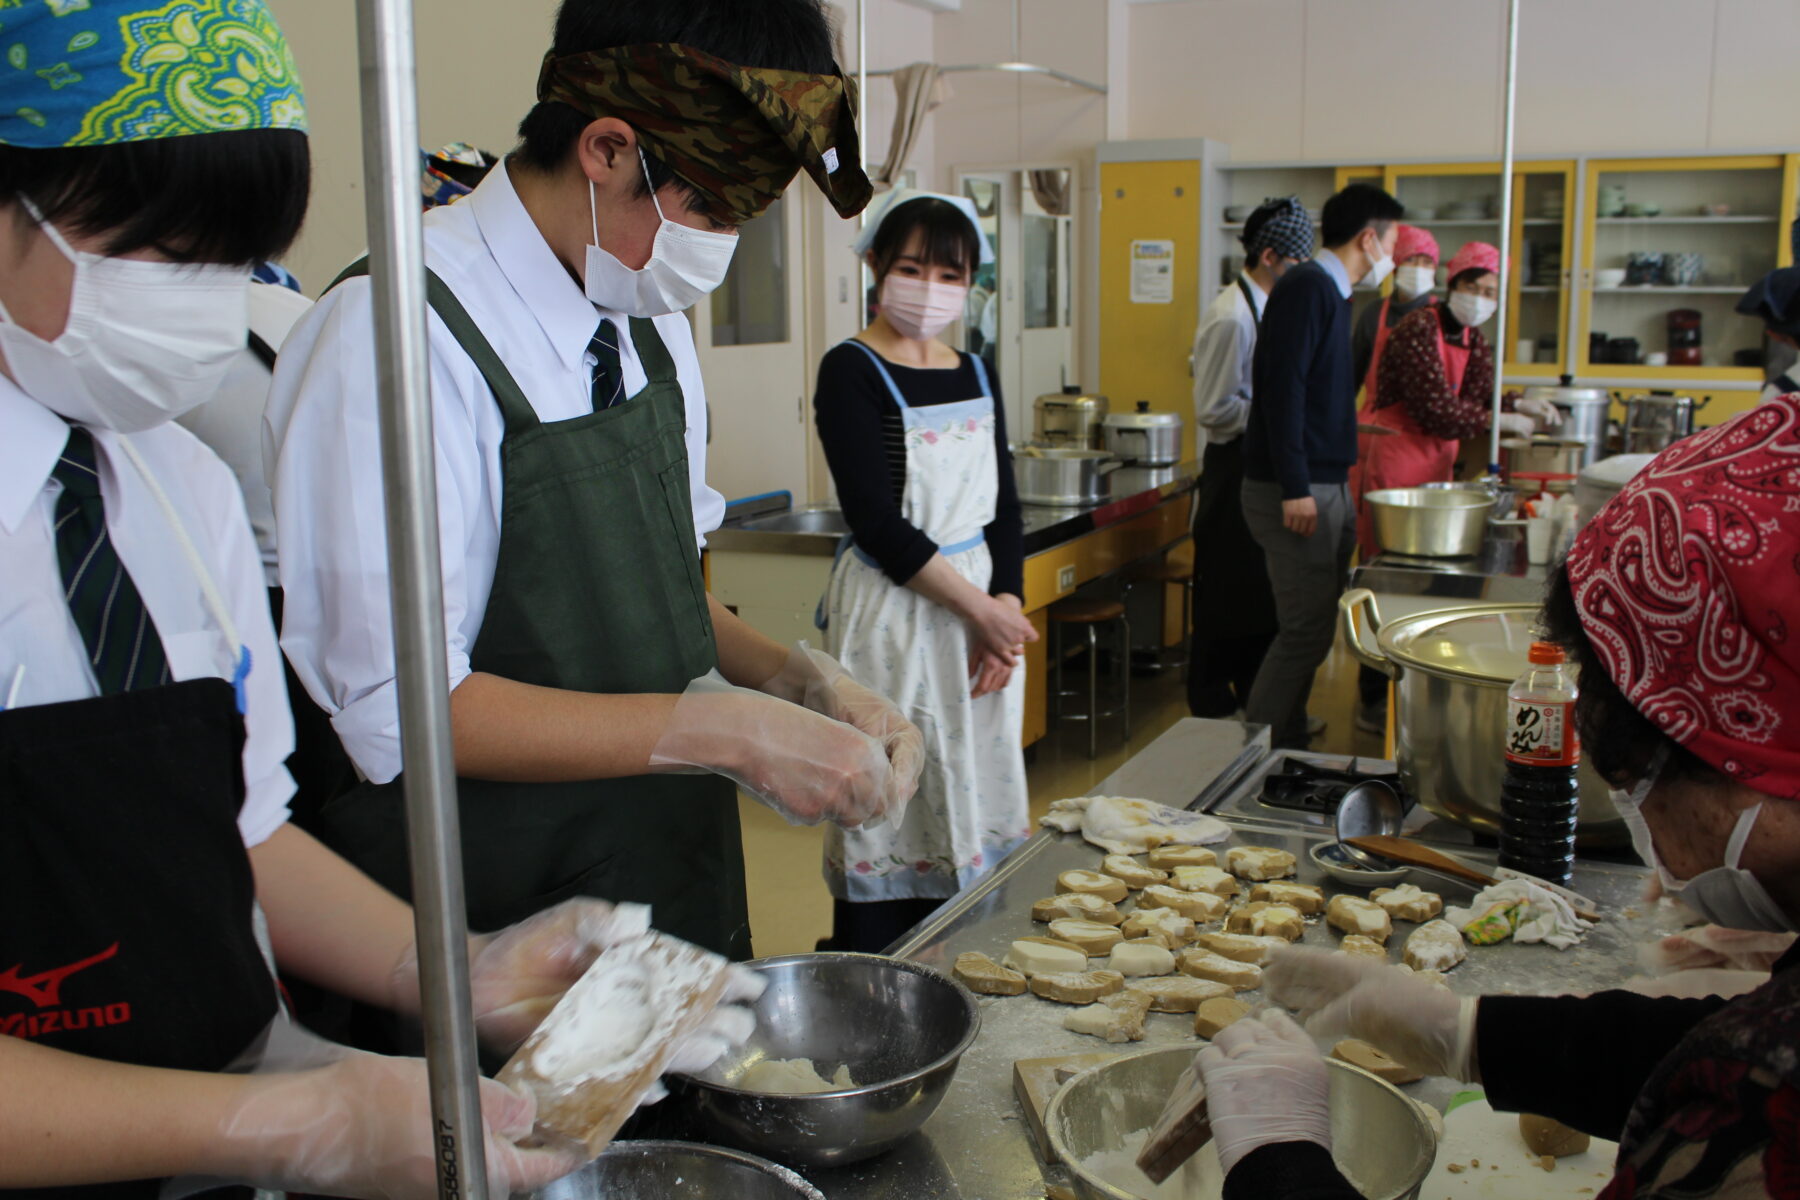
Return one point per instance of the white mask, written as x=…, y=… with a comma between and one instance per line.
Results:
x=145, y=341
x=919, y=308
x=1470, y=309
x=1725, y=895
x=1414, y=281
x=685, y=264
x=1378, y=267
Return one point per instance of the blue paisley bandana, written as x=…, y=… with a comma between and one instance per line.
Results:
x=101, y=72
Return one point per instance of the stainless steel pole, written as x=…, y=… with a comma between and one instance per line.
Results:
x=390, y=133
x=1506, y=228
x=862, y=82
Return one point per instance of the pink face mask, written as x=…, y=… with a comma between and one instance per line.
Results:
x=920, y=309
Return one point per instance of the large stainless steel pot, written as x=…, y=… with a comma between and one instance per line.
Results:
x=1585, y=411
x=1060, y=476
x=1543, y=461
x=1451, y=668
x=1069, y=418
x=1430, y=522
x=1657, y=421
x=1148, y=439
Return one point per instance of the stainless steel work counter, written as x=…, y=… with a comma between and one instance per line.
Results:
x=1499, y=574
x=977, y=1146
x=1134, y=490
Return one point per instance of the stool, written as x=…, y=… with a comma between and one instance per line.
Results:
x=1162, y=575
x=1091, y=614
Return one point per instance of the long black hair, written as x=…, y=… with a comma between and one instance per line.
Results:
x=950, y=238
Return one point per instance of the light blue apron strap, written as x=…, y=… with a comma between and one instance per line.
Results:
x=881, y=367
x=822, y=619
x=981, y=376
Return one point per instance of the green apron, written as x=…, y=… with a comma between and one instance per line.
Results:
x=597, y=588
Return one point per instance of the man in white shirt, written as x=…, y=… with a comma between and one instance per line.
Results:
x=570, y=433
x=1234, y=609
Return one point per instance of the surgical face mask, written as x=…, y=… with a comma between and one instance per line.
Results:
x=1378, y=267
x=145, y=341
x=1414, y=281
x=685, y=264
x=1725, y=895
x=920, y=309
x=1470, y=309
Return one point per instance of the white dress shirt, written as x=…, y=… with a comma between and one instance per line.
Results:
x=1224, y=346
x=1334, y=267
x=38, y=633
x=324, y=443
x=231, y=423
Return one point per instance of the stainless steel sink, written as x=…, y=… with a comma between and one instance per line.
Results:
x=807, y=531
x=801, y=520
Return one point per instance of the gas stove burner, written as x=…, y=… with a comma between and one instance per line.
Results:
x=1309, y=786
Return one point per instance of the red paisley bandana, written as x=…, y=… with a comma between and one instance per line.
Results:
x=1688, y=584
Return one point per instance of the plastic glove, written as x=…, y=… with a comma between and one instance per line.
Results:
x=1516, y=424
x=1265, y=1083
x=1545, y=414
x=1429, y=1028
x=328, y=1120
x=818, y=682
x=805, y=766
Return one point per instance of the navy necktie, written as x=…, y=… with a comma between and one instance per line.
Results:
x=609, y=377
x=122, y=643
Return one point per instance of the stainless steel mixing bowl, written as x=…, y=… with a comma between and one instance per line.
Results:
x=679, y=1171
x=900, y=1027
x=1379, y=1137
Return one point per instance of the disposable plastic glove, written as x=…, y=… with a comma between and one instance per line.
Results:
x=1265, y=1083
x=1427, y=1027
x=805, y=766
x=1546, y=415
x=818, y=682
x=1516, y=424
x=327, y=1120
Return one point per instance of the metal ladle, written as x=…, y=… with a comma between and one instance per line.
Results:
x=1368, y=808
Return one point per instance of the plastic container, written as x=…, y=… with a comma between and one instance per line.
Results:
x=1540, y=797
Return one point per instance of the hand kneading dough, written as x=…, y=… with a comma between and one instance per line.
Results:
x=1079, y=905
x=1045, y=956
x=1434, y=977
x=791, y=1077
x=1167, y=858
x=1306, y=897
x=1214, y=1015
x=1259, y=862
x=1545, y=1136
x=1117, y=1018
x=1093, y=883
x=1178, y=993
x=1205, y=879
x=1241, y=947
x=1196, y=906
x=1353, y=914
x=1361, y=1054
x=1368, y=947
x=1163, y=925
x=1435, y=946
x=1143, y=957
x=1130, y=872
x=1264, y=919
x=1408, y=902
x=1204, y=964
x=979, y=973
x=1082, y=987
x=1091, y=936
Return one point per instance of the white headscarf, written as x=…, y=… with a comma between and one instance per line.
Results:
x=900, y=196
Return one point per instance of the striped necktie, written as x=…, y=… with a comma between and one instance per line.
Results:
x=609, y=377
x=122, y=643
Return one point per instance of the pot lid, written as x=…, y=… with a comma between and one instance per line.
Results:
x=1072, y=400
x=1143, y=418
x=1566, y=393
x=1616, y=471
x=1483, y=644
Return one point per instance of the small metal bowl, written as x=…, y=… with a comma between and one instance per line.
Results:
x=900, y=1027
x=1334, y=859
x=1379, y=1137
x=679, y=1171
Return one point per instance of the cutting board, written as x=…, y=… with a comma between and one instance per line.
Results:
x=1508, y=1171
x=1036, y=1080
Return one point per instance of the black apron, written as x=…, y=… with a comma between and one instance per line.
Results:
x=597, y=588
x=126, y=890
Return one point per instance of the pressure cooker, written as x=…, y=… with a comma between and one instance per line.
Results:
x=1069, y=418
x=1144, y=438
x=1584, y=412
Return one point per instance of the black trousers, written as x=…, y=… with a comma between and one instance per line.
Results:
x=1234, y=607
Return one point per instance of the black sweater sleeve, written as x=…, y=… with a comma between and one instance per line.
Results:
x=1579, y=1060
x=1288, y=1171
x=1006, y=532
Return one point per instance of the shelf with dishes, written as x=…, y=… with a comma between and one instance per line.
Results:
x=1694, y=220
x=1664, y=289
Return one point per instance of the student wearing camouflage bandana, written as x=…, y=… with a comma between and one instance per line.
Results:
x=590, y=671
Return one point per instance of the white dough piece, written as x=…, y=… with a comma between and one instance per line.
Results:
x=1435, y=946
x=791, y=1077
x=1179, y=993
x=1408, y=902
x=1266, y=919
x=1130, y=872
x=1121, y=825
x=1117, y=1018
x=1196, y=906
x=1214, y=880
x=1083, y=905
x=1164, y=925
x=1095, y=937
x=1167, y=858
x=1353, y=914
x=1142, y=957
x=1259, y=863
x=1036, y=956
x=1308, y=898
x=1241, y=947
x=1204, y=964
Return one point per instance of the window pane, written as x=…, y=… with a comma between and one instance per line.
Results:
x=751, y=306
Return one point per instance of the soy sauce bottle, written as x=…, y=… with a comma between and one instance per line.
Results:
x=1540, y=800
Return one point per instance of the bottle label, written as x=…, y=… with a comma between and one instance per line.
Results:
x=1541, y=735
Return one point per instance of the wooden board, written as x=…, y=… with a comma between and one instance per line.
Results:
x=1036, y=1080
x=1507, y=1171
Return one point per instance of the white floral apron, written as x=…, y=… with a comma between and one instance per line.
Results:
x=971, y=808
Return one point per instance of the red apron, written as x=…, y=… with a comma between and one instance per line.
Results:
x=1408, y=456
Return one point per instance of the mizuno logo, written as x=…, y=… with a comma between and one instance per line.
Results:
x=45, y=988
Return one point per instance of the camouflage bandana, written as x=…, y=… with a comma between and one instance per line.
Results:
x=737, y=135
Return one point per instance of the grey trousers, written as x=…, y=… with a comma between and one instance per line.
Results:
x=1307, y=575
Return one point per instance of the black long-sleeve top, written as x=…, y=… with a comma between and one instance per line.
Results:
x=865, y=444
x=1302, y=427
x=1699, y=1093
